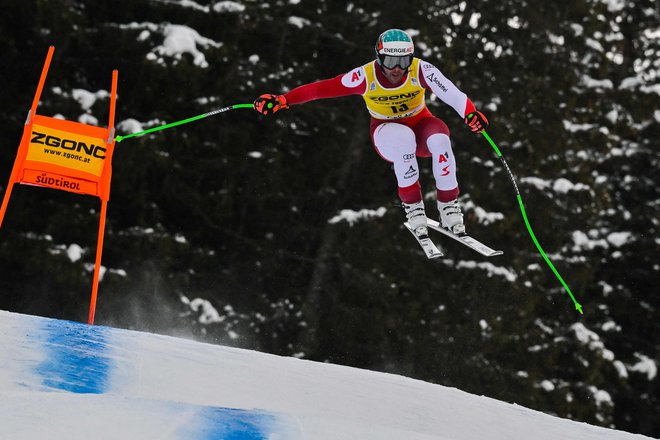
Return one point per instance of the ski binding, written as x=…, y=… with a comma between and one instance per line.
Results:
x=430, y=249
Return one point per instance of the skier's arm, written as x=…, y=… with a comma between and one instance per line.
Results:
x=433, y=80
x=351, y=83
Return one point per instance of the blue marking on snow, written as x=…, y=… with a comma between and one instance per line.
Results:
x=236, y=424
x=79, y=358
x=76, y=357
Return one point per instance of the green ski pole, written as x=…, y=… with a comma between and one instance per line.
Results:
x=184, y=121
x=578, y=306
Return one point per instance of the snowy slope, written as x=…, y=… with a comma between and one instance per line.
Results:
x=61, y=379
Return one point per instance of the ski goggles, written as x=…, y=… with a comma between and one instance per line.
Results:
x=390, y=62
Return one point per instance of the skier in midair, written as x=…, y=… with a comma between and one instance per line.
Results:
x=402, y=128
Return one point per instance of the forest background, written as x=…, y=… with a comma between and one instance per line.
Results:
x=283, y=234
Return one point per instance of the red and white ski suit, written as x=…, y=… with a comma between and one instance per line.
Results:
x=402, y=128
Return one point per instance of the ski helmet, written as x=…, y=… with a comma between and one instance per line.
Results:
x=395, y=47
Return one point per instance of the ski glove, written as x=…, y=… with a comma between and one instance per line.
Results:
x=267, y=103
x=476, y=121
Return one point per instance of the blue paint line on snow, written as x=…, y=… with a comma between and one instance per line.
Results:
x=76, y=357
x=238, y=424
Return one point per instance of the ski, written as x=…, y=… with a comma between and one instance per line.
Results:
x=465, y=239
x=430, y=249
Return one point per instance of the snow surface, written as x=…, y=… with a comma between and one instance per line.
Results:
x=74, y=252
x=65, y=380
x=645, y=365
x=352, y=217
x=177, y=40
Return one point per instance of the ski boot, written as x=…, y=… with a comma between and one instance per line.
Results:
x=416, y=217
x=451, y=217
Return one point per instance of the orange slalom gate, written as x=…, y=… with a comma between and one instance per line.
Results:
x=67, y=155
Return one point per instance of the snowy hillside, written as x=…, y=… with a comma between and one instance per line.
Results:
x=60, y=379
x=283, y=234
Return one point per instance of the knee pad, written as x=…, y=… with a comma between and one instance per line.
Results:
x=438, y=144
x=396, y=143
x=393, y=141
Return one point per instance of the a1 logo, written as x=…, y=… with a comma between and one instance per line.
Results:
x=353, y=78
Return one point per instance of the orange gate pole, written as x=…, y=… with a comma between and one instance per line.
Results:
x=104, y=194
x=97, y=263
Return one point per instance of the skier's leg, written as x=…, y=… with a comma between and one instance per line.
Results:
x=435, y=134
x=444, y=166
x=396, y=143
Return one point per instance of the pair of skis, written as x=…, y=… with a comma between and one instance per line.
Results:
x=432, y=251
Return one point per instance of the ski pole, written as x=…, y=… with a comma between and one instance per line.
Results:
x=184, y=121
x=578, y=306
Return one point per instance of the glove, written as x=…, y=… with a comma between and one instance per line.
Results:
x=476, y=121
x=267, y=103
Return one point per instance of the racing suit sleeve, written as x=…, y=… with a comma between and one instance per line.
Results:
x=432, y=79
x=351, y=83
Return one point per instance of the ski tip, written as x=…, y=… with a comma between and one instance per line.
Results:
x=578, y=307
x=119, y=138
